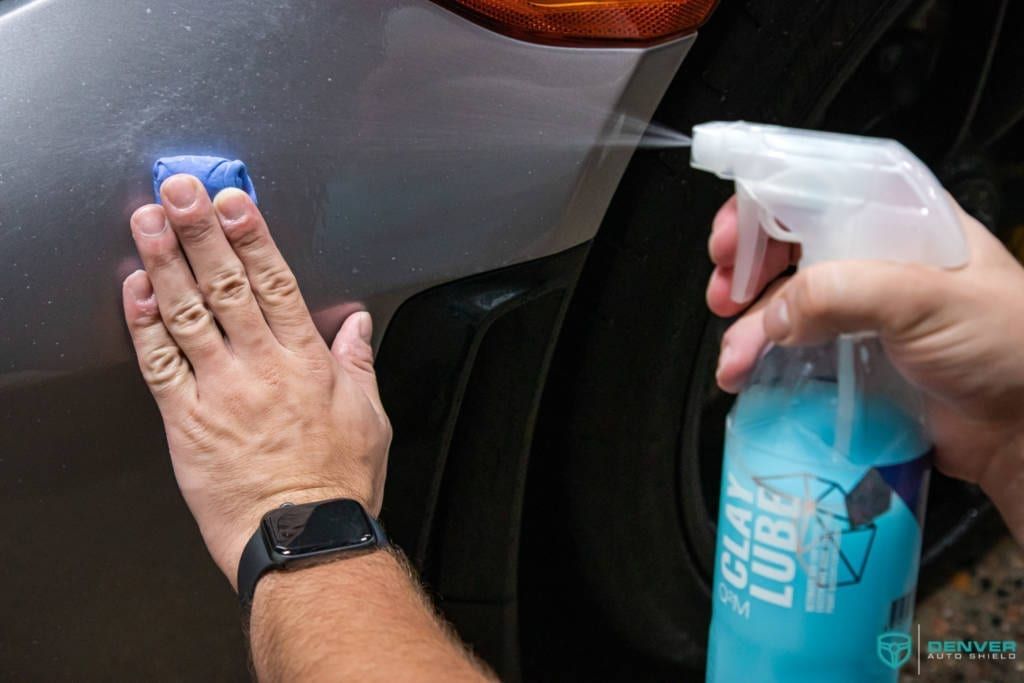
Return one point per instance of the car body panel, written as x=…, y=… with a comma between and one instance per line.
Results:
x=395, y=146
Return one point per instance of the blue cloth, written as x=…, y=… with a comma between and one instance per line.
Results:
x=215, y=173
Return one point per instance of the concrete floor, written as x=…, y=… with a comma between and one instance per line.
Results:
x=982, y=601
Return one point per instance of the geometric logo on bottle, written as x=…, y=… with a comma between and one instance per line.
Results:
x=893, y=648
x=826, y=527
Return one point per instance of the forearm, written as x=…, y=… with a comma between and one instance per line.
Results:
x=360, y=619
x=1003, y=482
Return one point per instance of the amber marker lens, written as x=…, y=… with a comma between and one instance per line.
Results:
x=588, y=22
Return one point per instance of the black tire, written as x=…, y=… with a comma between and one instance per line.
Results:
x=614, y=469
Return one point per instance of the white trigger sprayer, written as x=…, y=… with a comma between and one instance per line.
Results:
x=838, y=196
x=825, y=473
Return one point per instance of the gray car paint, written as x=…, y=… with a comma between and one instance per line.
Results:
x=394, y=145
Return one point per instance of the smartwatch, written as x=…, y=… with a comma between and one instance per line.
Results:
x=294, y=536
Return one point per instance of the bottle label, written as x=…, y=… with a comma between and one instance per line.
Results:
x=813, y=563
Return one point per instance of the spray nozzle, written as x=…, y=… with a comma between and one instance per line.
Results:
x=838, y=196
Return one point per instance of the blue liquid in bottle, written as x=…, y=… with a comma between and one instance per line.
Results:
x=819, y=529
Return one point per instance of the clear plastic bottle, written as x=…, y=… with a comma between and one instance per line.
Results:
x=820, y=518
x=827, y=459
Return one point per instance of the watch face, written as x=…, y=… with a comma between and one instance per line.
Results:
x=332, y=525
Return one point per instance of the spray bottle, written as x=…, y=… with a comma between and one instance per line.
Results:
x=827, y=459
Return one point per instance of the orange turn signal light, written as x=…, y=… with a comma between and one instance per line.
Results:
x=588, y=22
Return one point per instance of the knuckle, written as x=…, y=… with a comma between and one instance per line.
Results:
x=245, y=234
x=227, y=287
x=146, y=320
x=188, y=315
x=816, y=290
x=194, y=226
x=164, y=367
x=167, y=256
x=277, y=285
x=914, y=310
x=361, y=357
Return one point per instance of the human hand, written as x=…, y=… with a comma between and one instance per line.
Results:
x=955, y=334
x=258, y=411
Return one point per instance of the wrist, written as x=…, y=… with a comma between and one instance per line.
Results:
x=298, y=583
x=227, y=552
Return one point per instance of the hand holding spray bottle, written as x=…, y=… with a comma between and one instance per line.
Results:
x=825, y=473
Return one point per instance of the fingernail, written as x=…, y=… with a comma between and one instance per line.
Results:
x=365, y=326
x=777, y=322
x=140, y=286
x=231, y=204
x=180, y=191
x=149, y=221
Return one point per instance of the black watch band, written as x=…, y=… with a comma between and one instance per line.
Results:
x=294, y=536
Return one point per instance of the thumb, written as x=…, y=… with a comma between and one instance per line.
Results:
x=352, y=349
x=828, y=299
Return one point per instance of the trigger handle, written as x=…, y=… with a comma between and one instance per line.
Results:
x=751, y=244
